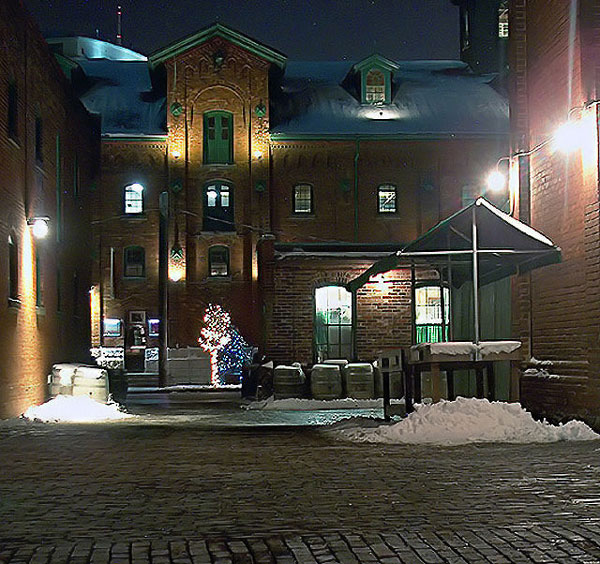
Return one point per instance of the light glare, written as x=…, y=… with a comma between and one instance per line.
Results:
x=496, y=181
x=40, y=228
x=567, y=137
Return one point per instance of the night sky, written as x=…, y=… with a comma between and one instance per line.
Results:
x=302, y=29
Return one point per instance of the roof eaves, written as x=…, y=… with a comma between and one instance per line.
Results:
x=227, y=33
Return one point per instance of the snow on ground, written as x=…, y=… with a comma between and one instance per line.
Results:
x=296, y=404
x=469, y=420
x=75, y=409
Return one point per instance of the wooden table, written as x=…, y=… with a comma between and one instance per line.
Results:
x=436, y=358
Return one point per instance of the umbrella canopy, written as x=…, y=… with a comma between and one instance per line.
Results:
x=502, y=246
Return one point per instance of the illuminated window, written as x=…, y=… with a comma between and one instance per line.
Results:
x=386, y=199
x=112, y=327
x=134, y=199
x=218, y=261
x=303, y=198
x=375, y=87
x=218, y=207
x=13, y=268
x=333, y=323
x=218, y=138
x=13, y=112
x=503, y=21
x=153, y=327
x=431, y=327
x=134, y=259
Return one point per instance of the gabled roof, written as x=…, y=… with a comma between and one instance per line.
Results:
x=376, y=60
x=218, y=30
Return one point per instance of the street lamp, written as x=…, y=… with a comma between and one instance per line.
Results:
x=39, y=226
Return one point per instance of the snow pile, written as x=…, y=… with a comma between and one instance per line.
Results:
x=75, y=409
x=298, y=404
x=468, y=420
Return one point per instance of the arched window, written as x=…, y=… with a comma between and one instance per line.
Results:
x=218, y=138
x=303, y=198
x=333, y=323
x=386, y=199
x=134, y=262
x=134, y=198
x=218, y=207
x=430, y=302
x=13, y=268
x=375, y=87
x=218, y=260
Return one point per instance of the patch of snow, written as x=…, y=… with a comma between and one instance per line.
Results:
x=78, y=409
x=448, y=348
x=541, y=373
x=489, y=347
x=470, y=420
x=298, y=404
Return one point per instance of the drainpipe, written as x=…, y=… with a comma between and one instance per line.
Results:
x=356, y=156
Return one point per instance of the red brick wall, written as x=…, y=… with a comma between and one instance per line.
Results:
x=383, y=310
x=33, y=338
x=557, y=307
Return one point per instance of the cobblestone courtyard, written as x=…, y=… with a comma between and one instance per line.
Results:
x=216, y=488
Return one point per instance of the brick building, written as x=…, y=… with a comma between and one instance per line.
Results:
x=554, y=54
x=284, y=180
x=50, y=148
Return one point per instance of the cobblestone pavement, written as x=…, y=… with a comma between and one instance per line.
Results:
x=175, y=490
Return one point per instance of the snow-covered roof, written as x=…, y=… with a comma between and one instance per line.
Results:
x=90, y=48
x=121, y=92
x=429, y=99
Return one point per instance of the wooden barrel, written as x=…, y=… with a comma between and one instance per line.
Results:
x=95, y=388
x=288, y=382
x=326, y=382
x=358, y=380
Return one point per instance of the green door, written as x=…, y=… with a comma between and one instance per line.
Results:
x=218, y=138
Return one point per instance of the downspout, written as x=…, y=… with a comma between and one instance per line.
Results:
x=356, y=156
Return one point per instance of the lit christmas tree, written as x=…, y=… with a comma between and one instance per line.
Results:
x=231, y=357
x=214, y=336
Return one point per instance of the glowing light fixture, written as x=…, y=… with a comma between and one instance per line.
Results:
x=39, y=226
x=496, y=181
x=176, y=154
x=137, y=187
x=257, y=154
x=567, y=137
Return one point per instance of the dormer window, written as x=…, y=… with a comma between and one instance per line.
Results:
x=376, y=79
x=375, y=87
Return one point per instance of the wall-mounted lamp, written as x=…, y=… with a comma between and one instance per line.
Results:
x=39, y=226
x=257, y=154
x=176, y=154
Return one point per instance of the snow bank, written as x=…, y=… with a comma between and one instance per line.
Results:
x=78, y=409
x=297, y=404
x=468, y=420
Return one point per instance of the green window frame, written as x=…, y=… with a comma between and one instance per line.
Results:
x=387, y=199
x=431, y=326
x=218, y=137
x=303, y=199
x=134, y=199
x=333, y=328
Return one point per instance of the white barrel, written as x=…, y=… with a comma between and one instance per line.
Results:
x=288, y=382
x=326, y=382
x=358, y=380
x=95, y=388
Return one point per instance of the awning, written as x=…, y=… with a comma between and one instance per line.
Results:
x=502, y=245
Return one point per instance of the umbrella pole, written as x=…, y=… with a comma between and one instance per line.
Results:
x=475, y=277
